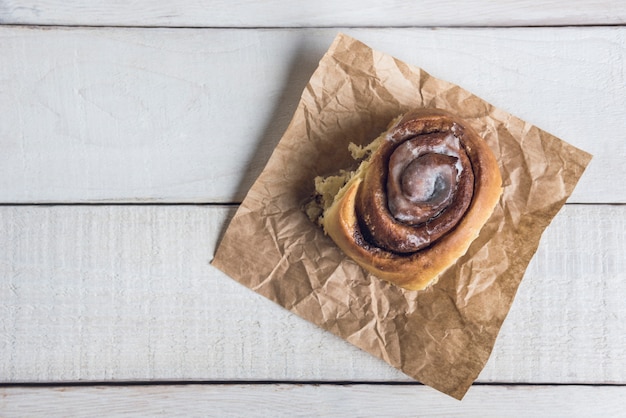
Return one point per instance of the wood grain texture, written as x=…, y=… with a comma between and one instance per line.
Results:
x=285, y=400
x=126, y=293
x=169, y=114
x=250, y=13
x=192, y=115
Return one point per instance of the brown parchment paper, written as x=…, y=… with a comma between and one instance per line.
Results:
x=441, y=336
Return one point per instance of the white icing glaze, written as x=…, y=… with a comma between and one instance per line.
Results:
x=419, y=191
x=415, y=240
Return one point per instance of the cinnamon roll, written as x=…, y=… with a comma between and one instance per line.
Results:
x=420, y=196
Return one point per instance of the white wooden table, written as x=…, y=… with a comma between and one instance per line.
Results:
x=130, y=132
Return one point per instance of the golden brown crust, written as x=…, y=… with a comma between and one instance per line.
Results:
x=350, y=223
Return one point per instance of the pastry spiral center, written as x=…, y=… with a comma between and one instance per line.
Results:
x=418, y=189
x=429, y=179
x=423, y=176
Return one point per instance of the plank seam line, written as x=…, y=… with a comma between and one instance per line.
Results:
x=291, y=27
x=275, y=382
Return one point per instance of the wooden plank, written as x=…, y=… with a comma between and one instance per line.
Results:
x=123, y=293
x=289, y=400
x=250, y=13
x=180, y=115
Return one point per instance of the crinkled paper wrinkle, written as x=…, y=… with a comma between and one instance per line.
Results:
x=441, y=336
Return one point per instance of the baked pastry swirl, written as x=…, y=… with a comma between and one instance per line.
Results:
x=418, y=199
